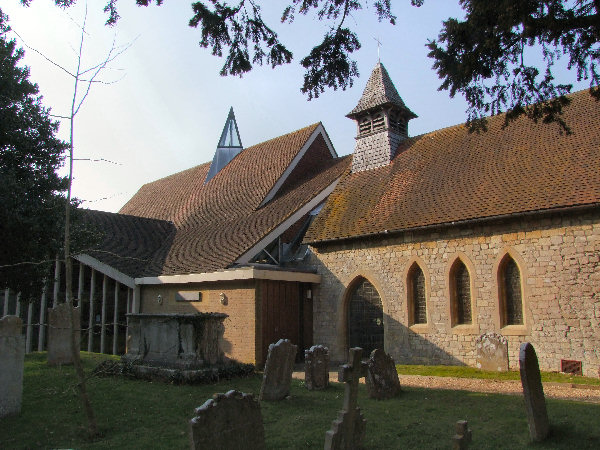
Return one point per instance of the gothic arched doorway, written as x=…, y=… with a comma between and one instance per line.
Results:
x=365, y=317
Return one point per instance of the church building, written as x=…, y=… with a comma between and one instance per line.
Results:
x=414, y=244
x=427, y=242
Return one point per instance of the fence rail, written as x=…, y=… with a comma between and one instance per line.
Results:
x=104, y=303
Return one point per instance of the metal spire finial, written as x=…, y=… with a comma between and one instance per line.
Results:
x=378, y=48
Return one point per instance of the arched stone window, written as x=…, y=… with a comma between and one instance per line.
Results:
x=365, y=317
x=460, y=294
x=509, y=286
x=417, y=305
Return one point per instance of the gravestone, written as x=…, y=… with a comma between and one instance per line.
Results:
x=228, y=421
x=382, y=377
x=463, y=436
x=277, y=378
x=533, y=393
x=12, y=359
x=59, y=334
x=492, y=352
x=348, y=430
x=316, y=367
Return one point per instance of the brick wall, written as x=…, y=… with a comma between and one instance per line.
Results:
x=558, y=258
x=239, y=341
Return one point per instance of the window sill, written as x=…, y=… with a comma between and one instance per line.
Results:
x=419, y=328
x=514, y=330
x=471, y=328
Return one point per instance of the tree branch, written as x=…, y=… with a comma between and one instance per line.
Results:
x=42, y=55
x=534, y=26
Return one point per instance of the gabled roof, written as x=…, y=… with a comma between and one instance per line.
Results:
x=218, y=221
x=126, y=243
x=451, y=175
x=379, y=91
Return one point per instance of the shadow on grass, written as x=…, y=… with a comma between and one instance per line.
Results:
x=141, y=414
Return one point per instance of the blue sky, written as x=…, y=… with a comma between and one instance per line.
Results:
x=167, y=106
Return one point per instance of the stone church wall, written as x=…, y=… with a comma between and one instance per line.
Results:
x=558, y=258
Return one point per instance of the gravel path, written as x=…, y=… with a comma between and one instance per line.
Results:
x=563, y=391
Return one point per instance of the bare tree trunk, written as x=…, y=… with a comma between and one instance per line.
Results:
x=75, y=344
x=90, y=75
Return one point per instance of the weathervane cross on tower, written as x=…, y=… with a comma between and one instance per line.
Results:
x=378, y=48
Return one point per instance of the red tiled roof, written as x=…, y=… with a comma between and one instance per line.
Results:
x=171, y=196
x=126, y=243
x=451, y=175
x=218, y=221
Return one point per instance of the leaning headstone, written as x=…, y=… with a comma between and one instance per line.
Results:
x=492, y=352
x=12, y=359
x=463, y=436
x=533, y=392
x=348, y=430
x=228, y=421
x=316, y=367
x=382, y=377
x=277, y=378
x=59, y=334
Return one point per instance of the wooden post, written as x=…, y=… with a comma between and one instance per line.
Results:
x=128, y=300
x=29, y=328
x=91, y=314
x=18, y=308
x=463, y=436
x=135, y=306
x=42, y=330
x=81, y=284
x=56, y=281
x=115, y=319
x=6, y=299
x=103, y=324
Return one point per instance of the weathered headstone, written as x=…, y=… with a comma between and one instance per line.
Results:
x=463, y=436
x=492, y=352
x=533, y=392
x=228, y=421
x=59, y=334
x=12, y=359
x=382, y=377
x=348, y=430
x=316, y=367
x=277, y=378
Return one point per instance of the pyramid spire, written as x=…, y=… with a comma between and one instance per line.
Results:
x=228, y=147
x=382, y=121
x=380, y=92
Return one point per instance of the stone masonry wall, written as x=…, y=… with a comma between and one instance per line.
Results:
x=558, y=258
x=374, y=150
x=239, y=304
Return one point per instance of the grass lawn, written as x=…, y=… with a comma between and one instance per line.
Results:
x=144, y=415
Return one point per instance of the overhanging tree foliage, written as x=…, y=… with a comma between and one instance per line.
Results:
x=30, y=189
x=486, y=57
